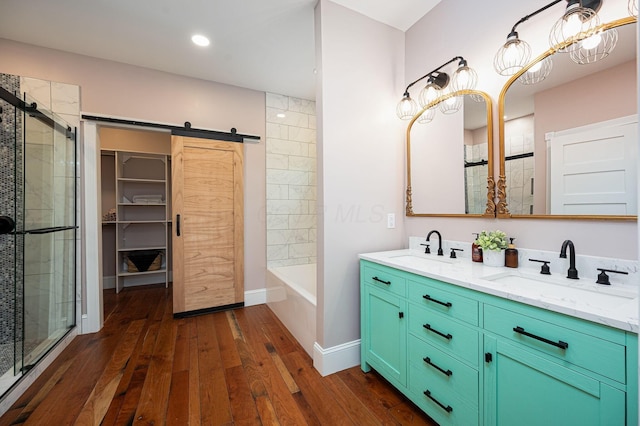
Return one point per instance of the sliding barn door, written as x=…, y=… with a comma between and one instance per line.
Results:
x=207, y=198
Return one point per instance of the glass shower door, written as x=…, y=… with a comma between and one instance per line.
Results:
x=45, y=235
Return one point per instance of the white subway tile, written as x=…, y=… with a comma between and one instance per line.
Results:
x=302, y=192
x=277, y=192
x=288, y=236
x=302, y=163
x=299, y=221
x=277, y=221
x=277, y=161
x=279, y=146
x=302, y=134
x=302, y=105
x=277, y=252
x=277, y=131
x=290, y=177
x=65, y=98
x=277, y=101
x=287, y=207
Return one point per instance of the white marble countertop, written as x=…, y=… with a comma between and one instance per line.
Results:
x=614, y=305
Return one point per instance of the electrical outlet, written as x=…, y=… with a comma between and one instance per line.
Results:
x=391, y=220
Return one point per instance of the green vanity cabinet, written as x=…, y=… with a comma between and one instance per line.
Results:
x=384, y=336
x=467, y=357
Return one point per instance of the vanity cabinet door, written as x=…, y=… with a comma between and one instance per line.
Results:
x=523, y=388
x=384, y=335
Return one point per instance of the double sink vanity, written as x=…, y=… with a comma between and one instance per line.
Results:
x=472, y=344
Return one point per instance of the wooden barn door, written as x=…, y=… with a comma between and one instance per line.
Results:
x=207, y=228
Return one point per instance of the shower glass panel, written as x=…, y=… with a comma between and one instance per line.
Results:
x=46, y=233
x=38, y=172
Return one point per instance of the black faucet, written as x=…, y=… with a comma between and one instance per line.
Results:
x=440, y=253
x=572, y=272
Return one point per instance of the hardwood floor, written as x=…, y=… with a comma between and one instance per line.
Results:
x=239, y=367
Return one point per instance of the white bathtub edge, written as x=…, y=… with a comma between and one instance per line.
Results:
x=337, y=358
x=255, y=297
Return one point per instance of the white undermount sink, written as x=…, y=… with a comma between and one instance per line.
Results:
x=560, y=288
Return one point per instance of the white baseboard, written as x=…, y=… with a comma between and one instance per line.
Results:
x=255, y=297
x=337, y=358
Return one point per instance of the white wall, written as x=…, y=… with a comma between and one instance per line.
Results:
x=476, y=30
x=360, y=158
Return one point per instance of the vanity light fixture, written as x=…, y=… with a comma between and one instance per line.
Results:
x=464, y=78
x=516, y=53
x=537, y=72
x=578, y=32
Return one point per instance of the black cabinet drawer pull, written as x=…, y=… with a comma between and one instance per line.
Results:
x=382, y=281
x=447, y=408
x=560, y=344
x=431, y=299
x=446, y=336
x=440, y=369
x=177, y=225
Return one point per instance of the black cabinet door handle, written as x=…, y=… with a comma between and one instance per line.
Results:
x=446, y=336
x=431, y=299
x=559, y=344
x=440, y=369
x=446, y=408
x=382, y=281
x=178, y=225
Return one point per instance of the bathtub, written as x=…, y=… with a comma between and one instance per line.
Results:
x=291, y=295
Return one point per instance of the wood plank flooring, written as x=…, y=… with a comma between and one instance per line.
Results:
x=239, y=367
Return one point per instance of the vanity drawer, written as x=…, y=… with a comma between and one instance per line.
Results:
x=584, y=350
x=452, y=337
x=442, y=405
x=432, y=297
x=384, y=278
x=441, y=371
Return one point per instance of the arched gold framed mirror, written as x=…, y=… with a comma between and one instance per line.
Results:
x=450, y=159
x=568, y=144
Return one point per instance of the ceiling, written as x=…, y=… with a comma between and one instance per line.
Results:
x=265, y=45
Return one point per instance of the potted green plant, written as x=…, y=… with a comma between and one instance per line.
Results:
x=493, y=244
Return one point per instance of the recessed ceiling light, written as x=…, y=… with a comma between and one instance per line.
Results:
x=280, y=115
x=200, y=40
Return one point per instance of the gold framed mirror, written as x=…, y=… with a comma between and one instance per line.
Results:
x=568, y=144
x=450, y=159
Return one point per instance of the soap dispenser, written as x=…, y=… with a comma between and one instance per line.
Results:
x=511, y=255
x=476, y=250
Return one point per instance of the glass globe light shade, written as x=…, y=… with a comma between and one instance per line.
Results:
x=427, y=115
x=537, y=72
x=633, y=7
x=451, y=105
x=512, y=56
x=428, y=94
x=406, y=108
x=464, y=78
x=576, y=24
x=595, y=47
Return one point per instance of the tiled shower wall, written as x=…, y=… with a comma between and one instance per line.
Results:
x=476, y=178
x=291, y=181
x=519, y=172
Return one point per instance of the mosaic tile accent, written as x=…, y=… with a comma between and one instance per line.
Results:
x=10, y=200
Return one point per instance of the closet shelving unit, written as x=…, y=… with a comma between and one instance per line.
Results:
x=141, y=190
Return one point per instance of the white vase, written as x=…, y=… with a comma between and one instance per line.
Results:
x=493, y=257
